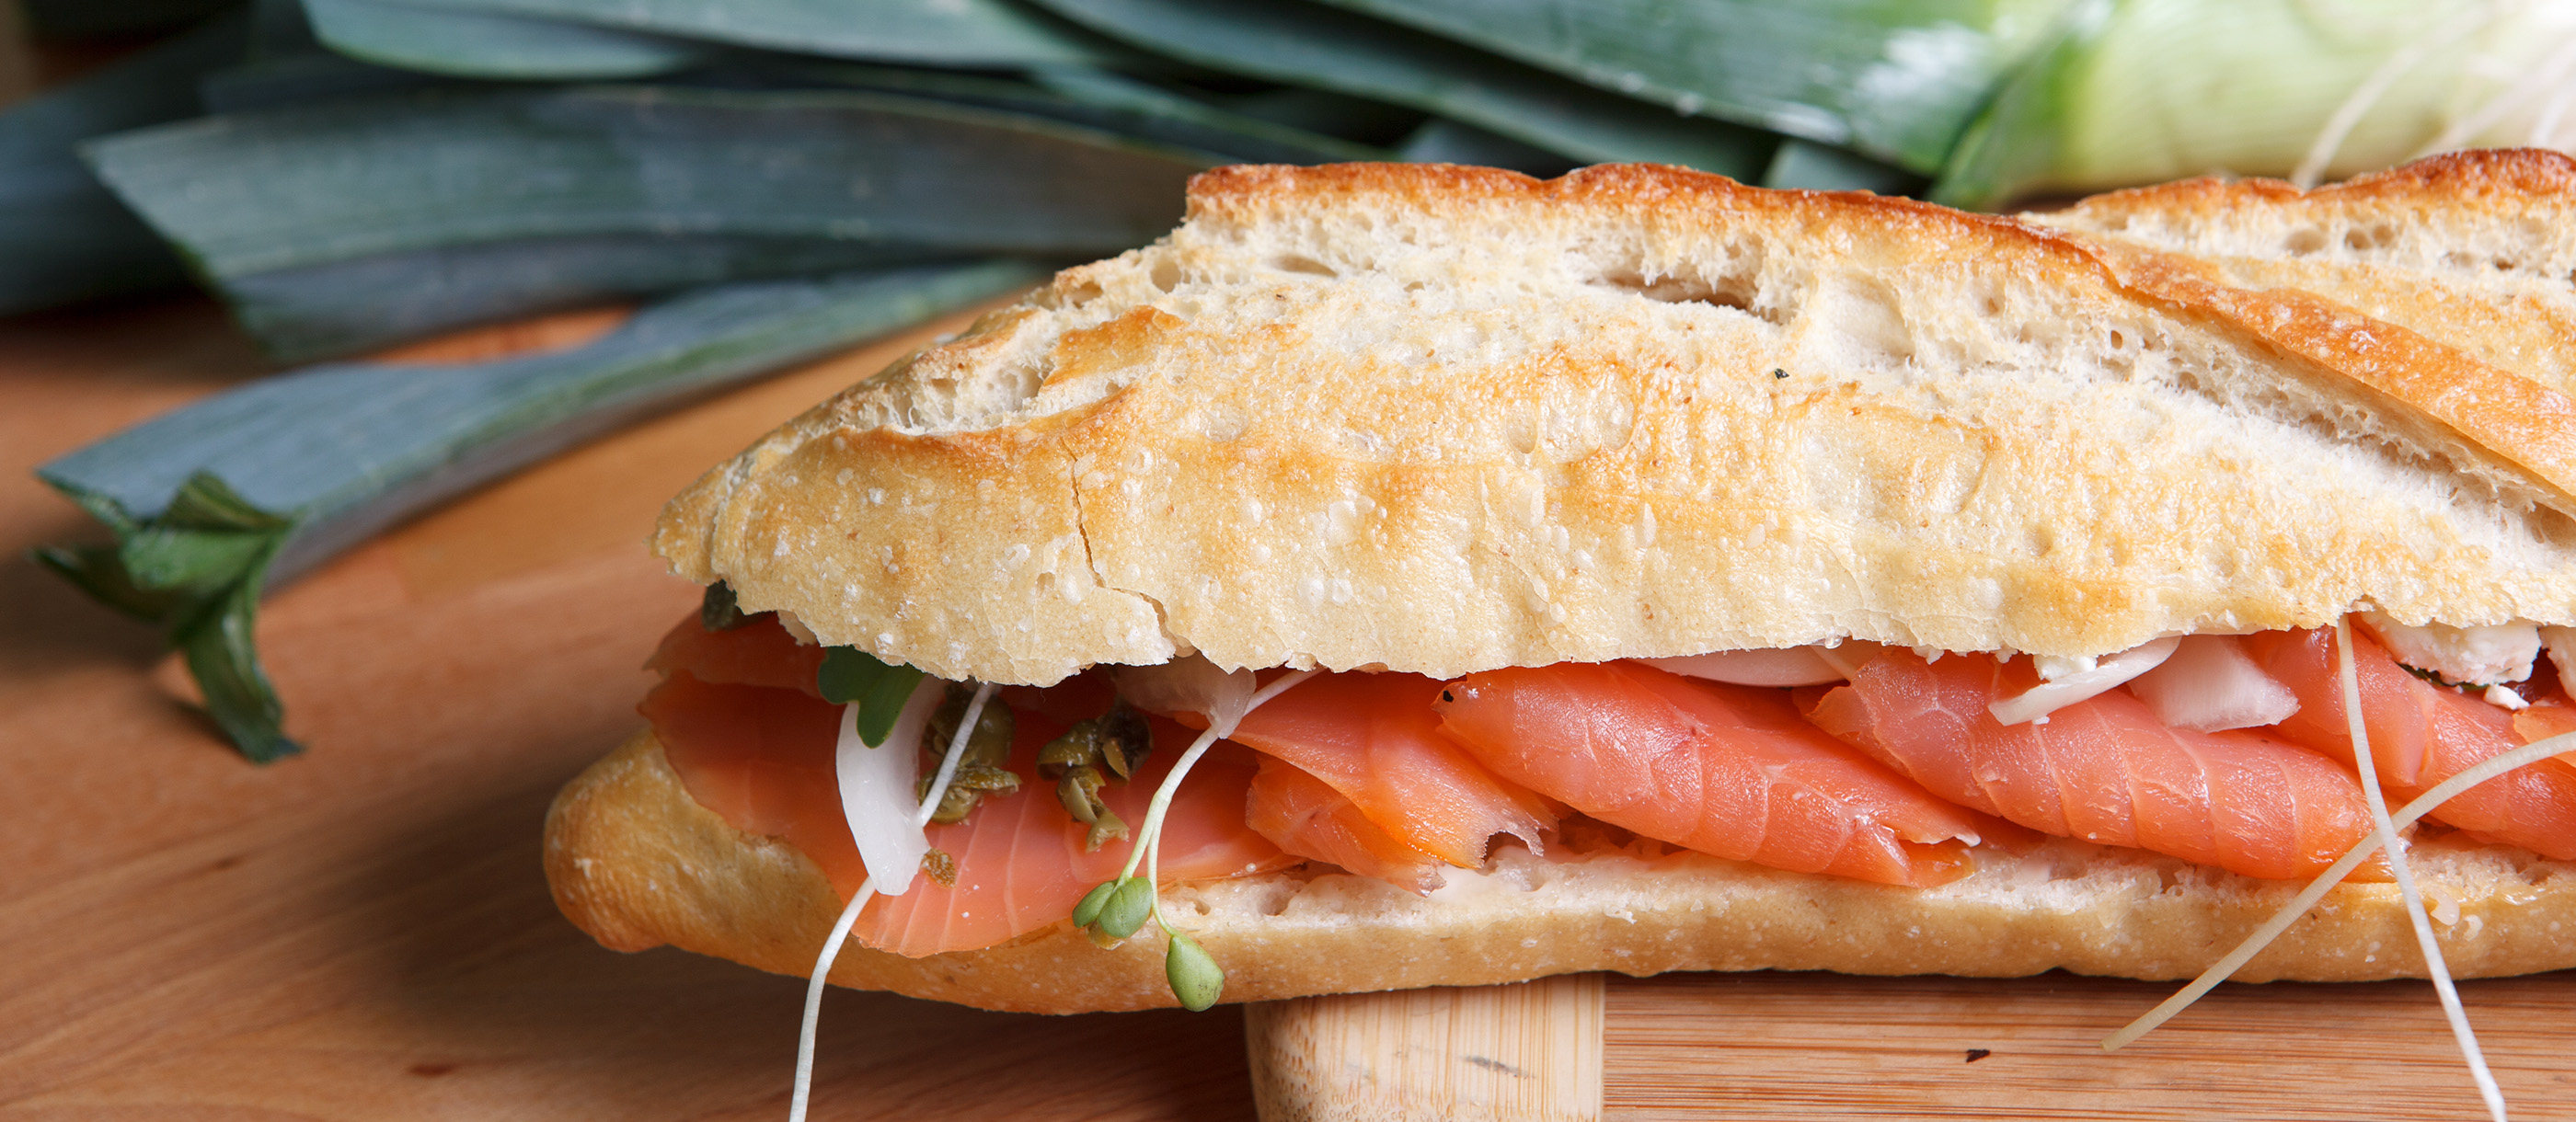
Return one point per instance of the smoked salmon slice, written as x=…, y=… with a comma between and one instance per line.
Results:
x=2104, y=769
x=1305, y=817
x=2421, y=734
x=1375, y=739
x=1020, y=862
x=760, y=756
x=758, y=653
x=1726, y=770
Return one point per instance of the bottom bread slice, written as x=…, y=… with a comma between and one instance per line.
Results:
x=637, y=863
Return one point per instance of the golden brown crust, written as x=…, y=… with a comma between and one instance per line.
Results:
x=2470, y=253
x=637, y=863
x=1445, y=419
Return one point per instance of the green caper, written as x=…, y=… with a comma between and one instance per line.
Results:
x=1079, y=791
x=1107, y=828
x=990, y=743
x=1124, y=739
x=1115, y=740
x=972, y=782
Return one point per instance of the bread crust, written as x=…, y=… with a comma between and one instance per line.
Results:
x=1445, y=420
x=637, y=863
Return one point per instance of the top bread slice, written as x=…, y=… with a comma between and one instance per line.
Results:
x=1442, y=419
x=2474, y=249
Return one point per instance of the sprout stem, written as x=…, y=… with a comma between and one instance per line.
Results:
x=956, y=751
x=814, y=998
x=2386, y=831
x=804, y=1091
x=2307, y=898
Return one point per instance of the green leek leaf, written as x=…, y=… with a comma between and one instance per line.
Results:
x=288, y=188
x=1896, y=80
x=1442, y=141
x=1308, y=44
x=195, y=568
x=953, y=33
x=1805, y=165
x=1103, y=100
x=853, y=676
x=477, y=44
x=342, y=307
x=63, y=236
x=219, y=500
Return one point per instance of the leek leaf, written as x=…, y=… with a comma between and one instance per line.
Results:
x=492, y=45
x=1441, y=141
x=2108, y=105
x=1896, y=80
x=196, y=569
x=63, y=236
x=1103, y=100
x=853, y=676
x=1808, y=166
x=221, y=499
x=287, y=188
x=342, y=307
x=954, y=33
x=1308, y=44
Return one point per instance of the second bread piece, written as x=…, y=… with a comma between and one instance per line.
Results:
x=1443, y=420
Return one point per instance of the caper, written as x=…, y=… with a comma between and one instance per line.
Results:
x=1115, y=740
x=941, y=867
x=1124, y=739
x=1079, y=791
x=1107, y=828
x=972, y=782
x=990, y=743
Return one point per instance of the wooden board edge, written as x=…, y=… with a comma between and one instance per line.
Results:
x=1529, y=1052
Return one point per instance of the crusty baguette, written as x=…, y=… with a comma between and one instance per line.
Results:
x=1444, y=420
x=638, y=863
x=2474, y=249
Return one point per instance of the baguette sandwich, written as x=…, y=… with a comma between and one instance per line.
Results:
x=1638, y=571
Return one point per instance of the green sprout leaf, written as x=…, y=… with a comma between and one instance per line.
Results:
x=850, y=675
x=1124, y=913
x=1089, y=909
x=1195, y=977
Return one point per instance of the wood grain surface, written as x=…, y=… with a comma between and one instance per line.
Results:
x=363, y=932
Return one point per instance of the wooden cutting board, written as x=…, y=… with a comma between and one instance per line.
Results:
x=363, y=932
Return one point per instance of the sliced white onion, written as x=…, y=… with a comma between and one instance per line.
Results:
x=2474, y=656
x=2048, y=697
x=1190, y=685
x=2211, y=684
x=1782, y=666
x=878, y=789
x=2562, y=654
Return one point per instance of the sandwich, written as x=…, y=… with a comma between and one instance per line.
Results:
x=1412, y=575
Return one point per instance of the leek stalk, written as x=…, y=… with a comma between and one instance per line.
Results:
x=217, y=501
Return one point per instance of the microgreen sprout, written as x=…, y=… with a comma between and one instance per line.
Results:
x=1116, y=910
x=867, y=891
